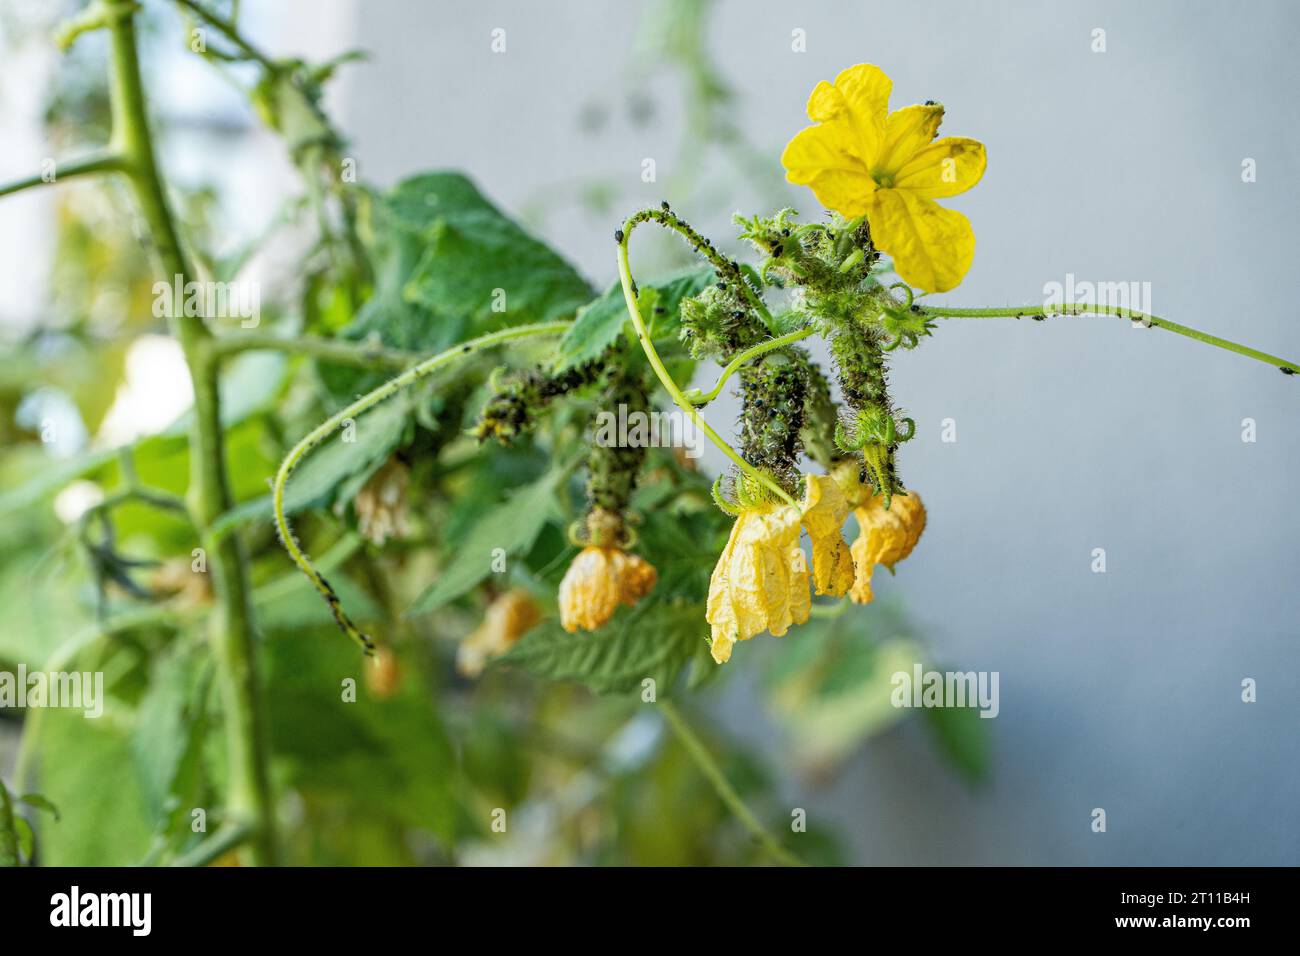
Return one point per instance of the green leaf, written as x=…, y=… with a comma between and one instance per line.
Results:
x=599, y=324
x=831, y=687
x=169, y=730
x=387, y=758
x=477, y=262
x=650, y=641
x=387, y=316
x=26, y=839
x=38, y=802
x=10, y=852
x=51, y=477
x=313, y=483
x=288, y=109
x=87, y=768
x=512, y=526
x=420, y=202
x=962, y=738
x=596, y=327
x=300, y=605
x=42, y=611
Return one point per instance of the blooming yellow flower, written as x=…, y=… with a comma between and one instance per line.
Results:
x=506, y=620
x=888, y=536
x=598, y=581
x=863, y=160
x=761, y=580
x=825, y=507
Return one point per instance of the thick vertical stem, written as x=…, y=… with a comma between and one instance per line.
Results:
x=8, y=831
x=249, y=799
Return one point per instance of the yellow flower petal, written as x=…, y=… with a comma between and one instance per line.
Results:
x=721, y=647
x=824, y=509
x=800, y=606
x=825, y=103
x=836, y=158
x=818, y=150
x=760, y=582
x=907, y=132
x=888, y=536
x=636, y=577
x=597, y=582
x=856, y=104
x=932, y=247
x=945, y=168
x=506, y=620
x=817, y=157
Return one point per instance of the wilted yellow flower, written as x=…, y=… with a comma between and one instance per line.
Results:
x=824, y=509
x=888, y=536
x=381, y=503
x=863, y=160
x=384, y=675
x=761, y=580
x=506, y=620
x=598, y=581
x=176, y=578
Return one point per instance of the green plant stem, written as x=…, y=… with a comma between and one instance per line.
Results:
x=249, y=797
x=230, y=32
x=8, y=830
x=721, y=264
x=697, y=397
x=709, y=767
x=673, y=389
x=227, y=838
x=310, y=160
x=336, y=351
x=322, y=431
x=1154, y=321
x=99, y=163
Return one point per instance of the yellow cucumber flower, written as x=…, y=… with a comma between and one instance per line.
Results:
x=761, y=580
x=598, y=581
x=825, y=507
x=863, y=160
x=506, y=620
x=888, y=536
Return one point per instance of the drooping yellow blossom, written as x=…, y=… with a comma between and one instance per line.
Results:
x=176, y=579
x=384, y=675
x=888, y=536
x=824, y=509
x=506, y=620
x=381, y=503
x=863, y=160
x=761, y=580
x=598, y=581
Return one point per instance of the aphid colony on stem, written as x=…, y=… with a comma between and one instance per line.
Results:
x=762, y=580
